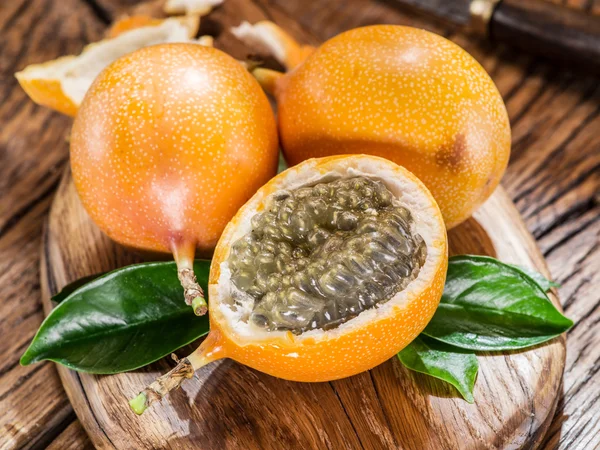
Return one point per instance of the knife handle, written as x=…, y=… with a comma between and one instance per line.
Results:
x=546, y=29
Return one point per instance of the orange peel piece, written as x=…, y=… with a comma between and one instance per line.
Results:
x=61, y=84
x=128, y=23
x=269, y=39
x=190, y=7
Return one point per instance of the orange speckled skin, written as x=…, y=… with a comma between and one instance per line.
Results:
x=354, y=352
x=407, y=95
x=168, y=143
x=329, y=358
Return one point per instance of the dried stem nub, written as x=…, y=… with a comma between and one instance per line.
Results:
x=192, y=292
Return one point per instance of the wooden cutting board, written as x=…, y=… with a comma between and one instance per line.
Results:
x=228, y=405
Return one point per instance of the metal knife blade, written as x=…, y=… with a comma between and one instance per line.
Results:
x=455, y=11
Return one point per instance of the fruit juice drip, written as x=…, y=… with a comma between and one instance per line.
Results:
x=319, y=256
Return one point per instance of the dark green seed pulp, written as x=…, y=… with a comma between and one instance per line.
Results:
x=319, y=256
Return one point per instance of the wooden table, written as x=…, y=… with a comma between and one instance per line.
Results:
x=553, y=177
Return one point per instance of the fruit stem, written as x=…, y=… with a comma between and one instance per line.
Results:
x=192, y=291
x=209, y=351
x=267, y=78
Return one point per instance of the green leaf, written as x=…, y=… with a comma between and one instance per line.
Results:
x=540, y=279
x=455, y=366
x=122, y=320
x=490, y=306
x=282, y=164
x=72, y=287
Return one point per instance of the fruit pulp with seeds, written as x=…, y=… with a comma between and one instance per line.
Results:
x=319, y=256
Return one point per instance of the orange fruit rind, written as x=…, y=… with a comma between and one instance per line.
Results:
x=269, y=39
x=128, y=23
x=190, y=7
x=61, y=84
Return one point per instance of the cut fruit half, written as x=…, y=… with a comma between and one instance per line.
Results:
x=269, y=39
x=62, y=83
x=330, y=269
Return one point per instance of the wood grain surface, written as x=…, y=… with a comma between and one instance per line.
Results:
x=229, y=406
x=553, y=178
x=567, y=35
